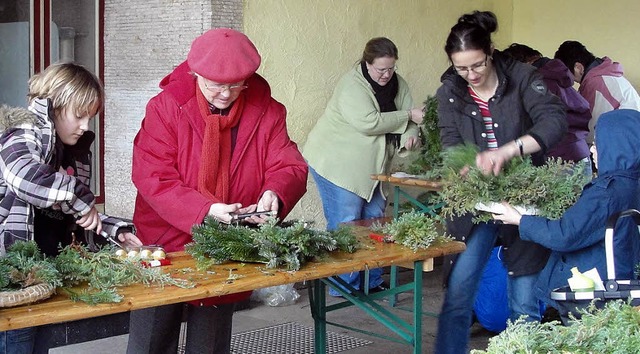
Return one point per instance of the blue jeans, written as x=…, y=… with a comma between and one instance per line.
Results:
x=455, y=318
x=17, y=341
x=522, y=298
x=588, y=168
x=454, y=322
x=340, y=205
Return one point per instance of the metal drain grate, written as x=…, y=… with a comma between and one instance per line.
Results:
x=289, y=338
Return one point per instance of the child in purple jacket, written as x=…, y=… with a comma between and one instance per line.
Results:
x=559, y=81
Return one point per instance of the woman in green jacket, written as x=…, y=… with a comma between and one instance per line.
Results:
x=368, y=118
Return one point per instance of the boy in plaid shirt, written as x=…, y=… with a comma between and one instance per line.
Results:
x=45, y=165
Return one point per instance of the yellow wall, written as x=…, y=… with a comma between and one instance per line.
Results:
x=606, y=28
x=307, y=45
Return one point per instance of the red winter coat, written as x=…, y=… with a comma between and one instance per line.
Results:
x=166, y=160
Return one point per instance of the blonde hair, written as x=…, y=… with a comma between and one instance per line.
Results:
x=68, y=86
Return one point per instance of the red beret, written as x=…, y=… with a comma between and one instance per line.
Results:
x=223, y=55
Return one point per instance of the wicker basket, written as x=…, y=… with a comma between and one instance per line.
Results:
x=27, y=295
x=628, y=289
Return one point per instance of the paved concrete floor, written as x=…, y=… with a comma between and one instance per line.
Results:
x=259, y=316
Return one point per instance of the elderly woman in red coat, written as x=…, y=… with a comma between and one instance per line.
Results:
x=212, y=143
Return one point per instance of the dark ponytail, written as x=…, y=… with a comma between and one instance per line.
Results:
x=472, y=32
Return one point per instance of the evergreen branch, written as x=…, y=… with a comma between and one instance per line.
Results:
x=270, y=243
x=612, y=329
x=24, y=265
x=429, y=156
x=413, y=229
x=101, y=296
x=102, y=271
x=551, y=188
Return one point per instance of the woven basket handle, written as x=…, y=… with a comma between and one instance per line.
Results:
x=608, y=238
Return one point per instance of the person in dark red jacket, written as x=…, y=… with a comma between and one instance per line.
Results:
x=559, y=81
x=212, y=143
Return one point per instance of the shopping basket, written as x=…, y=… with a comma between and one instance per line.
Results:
x=570, y=301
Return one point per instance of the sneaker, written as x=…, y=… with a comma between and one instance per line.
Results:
x=382, y=287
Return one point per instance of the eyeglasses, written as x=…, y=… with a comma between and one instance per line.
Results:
x=216, y=88
x=384, y=71
x=476, y=68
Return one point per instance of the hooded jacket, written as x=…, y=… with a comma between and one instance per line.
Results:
x=166, y=160
x=577, y=238
x=30, y=178
x=522, y=105
x=606, y=89
x=559, y=81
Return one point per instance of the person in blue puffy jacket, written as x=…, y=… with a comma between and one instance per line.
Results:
x=577, y=238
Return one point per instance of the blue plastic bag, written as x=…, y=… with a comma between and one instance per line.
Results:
x=492, y=306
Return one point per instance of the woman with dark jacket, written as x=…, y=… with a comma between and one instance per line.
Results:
x=504, y=108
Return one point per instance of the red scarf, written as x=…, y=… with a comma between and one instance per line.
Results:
x=215, y=161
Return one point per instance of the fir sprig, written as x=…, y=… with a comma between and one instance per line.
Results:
x=102, y=271
x=270, y=243
x=613, y=329
x=413, y=229
x=551, y=188
x=101, y=296
x=429, y=156
x=345, y=240
x=212, y=244
x=24, y=265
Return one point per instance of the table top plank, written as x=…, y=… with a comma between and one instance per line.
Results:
x=60, y=308
x=430, y=185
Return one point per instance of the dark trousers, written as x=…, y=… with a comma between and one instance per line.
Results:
x=157, y=330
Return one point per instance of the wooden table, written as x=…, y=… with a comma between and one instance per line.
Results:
x=400, y=182
x=252, y=276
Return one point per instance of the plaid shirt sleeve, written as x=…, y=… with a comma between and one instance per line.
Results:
x=111, y=225
x=27, y=174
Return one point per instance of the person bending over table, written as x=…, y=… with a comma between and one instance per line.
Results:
x=45, y=160
x=504, y=108
x=368, y=118
x=212, y=143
